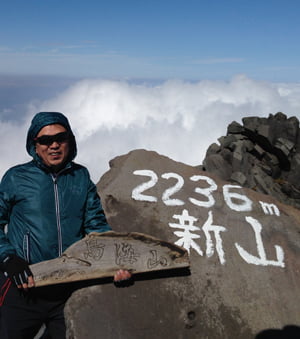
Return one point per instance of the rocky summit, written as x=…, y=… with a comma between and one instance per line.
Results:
x=244, y=246
x=262, y=154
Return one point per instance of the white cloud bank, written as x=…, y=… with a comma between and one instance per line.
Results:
x=176, y=118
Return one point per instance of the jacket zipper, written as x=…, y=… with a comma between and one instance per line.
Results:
x=57, y=211
x=26, y=247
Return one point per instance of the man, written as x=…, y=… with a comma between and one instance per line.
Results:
x=47, y=204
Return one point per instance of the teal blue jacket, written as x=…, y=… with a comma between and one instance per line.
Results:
x=44, y=212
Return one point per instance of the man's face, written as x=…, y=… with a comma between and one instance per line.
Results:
x=56, y=153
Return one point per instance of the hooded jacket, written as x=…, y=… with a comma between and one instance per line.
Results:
x=44, y=212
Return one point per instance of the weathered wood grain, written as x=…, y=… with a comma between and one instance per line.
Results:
x=100, y=255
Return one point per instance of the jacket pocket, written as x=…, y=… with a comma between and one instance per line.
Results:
x=26, y=246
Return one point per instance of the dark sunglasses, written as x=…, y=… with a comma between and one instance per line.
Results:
x=50, y=139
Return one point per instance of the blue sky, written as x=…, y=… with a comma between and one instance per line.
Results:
x=164, y=75
x=158, y=39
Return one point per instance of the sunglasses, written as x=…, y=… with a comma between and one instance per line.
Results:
x=50, y=139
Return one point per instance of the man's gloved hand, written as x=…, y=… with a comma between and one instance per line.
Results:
x=17, y=269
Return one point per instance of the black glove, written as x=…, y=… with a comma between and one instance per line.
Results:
x=17, y=269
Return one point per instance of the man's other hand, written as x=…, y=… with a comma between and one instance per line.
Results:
x=122, y=278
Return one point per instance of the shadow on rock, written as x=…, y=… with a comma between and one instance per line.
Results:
x=288, y=332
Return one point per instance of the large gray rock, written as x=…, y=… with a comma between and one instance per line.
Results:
x=244, y=249
x=262, y=154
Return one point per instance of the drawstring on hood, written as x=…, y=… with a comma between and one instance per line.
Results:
x=43, y=119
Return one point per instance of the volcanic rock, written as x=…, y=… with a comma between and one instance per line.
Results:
x=262, y=154
x=244, y=249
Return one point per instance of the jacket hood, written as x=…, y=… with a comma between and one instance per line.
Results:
x=43, y=119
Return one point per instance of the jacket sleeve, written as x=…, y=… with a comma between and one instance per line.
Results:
x=95, y=220
x=6, y=203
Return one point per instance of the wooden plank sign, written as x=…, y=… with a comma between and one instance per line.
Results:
x=100, y=255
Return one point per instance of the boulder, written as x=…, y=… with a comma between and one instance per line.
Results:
x=266, y=151
x=244, y=257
